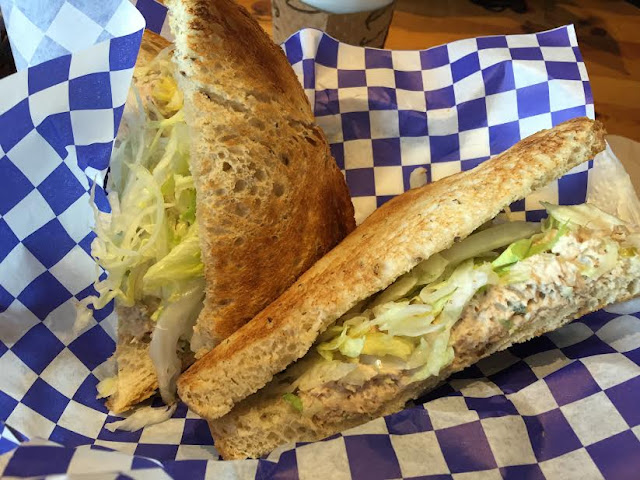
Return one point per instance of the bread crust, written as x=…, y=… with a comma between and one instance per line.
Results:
x=394, y=239
x=271, y=199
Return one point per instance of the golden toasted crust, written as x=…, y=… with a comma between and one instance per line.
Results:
x=394, y=239
x=271, y=200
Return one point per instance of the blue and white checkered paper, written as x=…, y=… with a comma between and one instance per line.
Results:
x=559, y=406
x=447, y=108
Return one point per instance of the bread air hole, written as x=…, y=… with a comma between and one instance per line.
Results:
x=284, y=158
x=226, y=166
x=240, y=186
x=257, y=123
x=278, y=189
x=241, y=210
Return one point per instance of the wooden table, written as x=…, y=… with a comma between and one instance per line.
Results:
x=608, y=34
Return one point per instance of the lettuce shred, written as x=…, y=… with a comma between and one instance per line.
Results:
x=584, y=215
x=107, y=387
x=293, y=400
x=149, y=244
x=143, y=417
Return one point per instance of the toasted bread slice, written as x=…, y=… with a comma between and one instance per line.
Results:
x=271, y=199
x=393, y=240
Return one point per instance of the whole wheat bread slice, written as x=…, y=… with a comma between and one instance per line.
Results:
x=394, y=239
x=265, y=421
x=271, y=199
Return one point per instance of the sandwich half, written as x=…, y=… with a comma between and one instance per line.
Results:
x=431, y=282
x=222, y=189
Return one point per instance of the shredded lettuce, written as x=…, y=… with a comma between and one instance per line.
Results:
x=414, y=331
x=515, y=252
x=293, y=400
x=175, y=321
x=468, y=282
x=381, y=344
x=181, y=264
x=544, y=242
x=478, y=244
x=438, y=355
x=490, y=239
x=585, y=215
x=142, y=417
x=107, y=387
x=320, y=372
x=400, y=288
x=345, y=344
x=407, y=320
x=149, y=243
x=527, y=247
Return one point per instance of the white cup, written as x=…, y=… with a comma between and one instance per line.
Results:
x=357, y=22
x=347, y=6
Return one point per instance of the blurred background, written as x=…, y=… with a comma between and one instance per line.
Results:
x=608, y=33
x=6, y=60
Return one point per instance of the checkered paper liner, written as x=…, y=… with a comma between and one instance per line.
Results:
x=558, y=406
x=446, y=109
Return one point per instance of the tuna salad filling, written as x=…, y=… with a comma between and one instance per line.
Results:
x=505, y=276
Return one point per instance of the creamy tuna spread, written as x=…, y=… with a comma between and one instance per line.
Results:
x=495, y=286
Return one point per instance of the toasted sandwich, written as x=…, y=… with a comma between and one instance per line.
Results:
x=430, y=283
x=222, y=189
